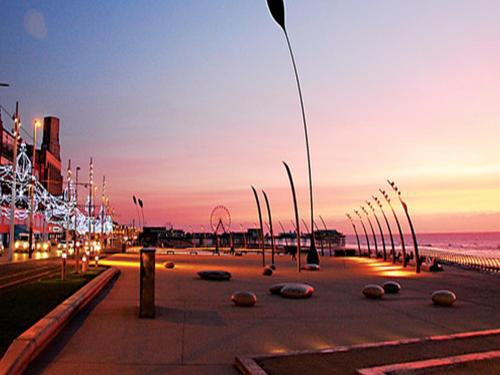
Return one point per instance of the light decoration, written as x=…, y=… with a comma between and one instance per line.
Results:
x=57, y=210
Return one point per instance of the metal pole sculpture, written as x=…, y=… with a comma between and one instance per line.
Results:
x=373, y=231
x=401, y=237
x=270, y=226
x=141, y=205
x=405, y=207
x=329, y=240
x=296, y=210
x=277, y=9
x=355, y=232
x=366, y=234
x=137, y=210
x=261, y=229
x=17, y=125
x=393, y=250
x=379, y=228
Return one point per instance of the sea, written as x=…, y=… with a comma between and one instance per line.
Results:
x=485, y=244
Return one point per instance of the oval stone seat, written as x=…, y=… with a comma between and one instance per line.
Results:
x=443, y=297
x=276, y=288
x=244, y=298
x=169, y=265
x=311, y=267
x=267, y=271
x=216, y=275
x=391, y=287
x=373, y=291
x=296, y=291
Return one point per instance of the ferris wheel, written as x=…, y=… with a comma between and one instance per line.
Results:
x=220, y=219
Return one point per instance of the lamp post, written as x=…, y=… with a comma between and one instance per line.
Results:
x=261, y=229
x=77, y=248
x=68, y=196
x=36, y=125
x=277, y=10
x=379, y=228
x=296, y=210
x=402, y=239
x=414, y=236
x=17, y=126
x=373, y=231
x=355, y=232
x=388, y=228
x=366, y=234
x=270, y=227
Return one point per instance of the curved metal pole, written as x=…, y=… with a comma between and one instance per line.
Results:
x=373, y=231
x=296, y=209
x=270, y=226
x=401, y=237
x=379, y=228
x=405, y=207
x=393, y=250
x=366, y=234
x=329, y=240
x=356, y=232
x=261, y=230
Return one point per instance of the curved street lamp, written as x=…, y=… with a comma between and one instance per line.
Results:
x=379, y=228
x=364, y=229
x=270, y=226
x=403, y=249
x=296, y=210
x=388, y=227
x=277, y=9
x=373, y=231
x=414, y=236
x=356, y=232
x=261, y=229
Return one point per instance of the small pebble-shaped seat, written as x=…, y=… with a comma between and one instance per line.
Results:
x=296, y=291
x=311, y=267
x=169, y=265
x=216, y=275
x=373, y=291
x=391, y=287
x=443, y=298
x=244, y=298
x=267, y=271
x=276, y=288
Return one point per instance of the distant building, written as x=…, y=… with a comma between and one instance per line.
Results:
x=49, y=157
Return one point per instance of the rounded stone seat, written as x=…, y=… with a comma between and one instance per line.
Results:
x=215, y=275
x=391, y=287
x=443, y=297
x=267, y=271
x=311, y=267
x=296, y=291
x=276, y=288
x=169, y=265
x=244, y=298
x=373, y=291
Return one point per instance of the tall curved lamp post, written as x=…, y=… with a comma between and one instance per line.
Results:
x=277, y=9
x=401, y=237
x=388, y=228
x=379, y=228
x=355, y=232
x=364, y=230
x=373, y=231
x=414, y=236
x=270, y=226
x=137, y=210
x=261, y=229
x=296, y=210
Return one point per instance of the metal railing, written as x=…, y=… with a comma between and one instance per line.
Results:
x=474, y=262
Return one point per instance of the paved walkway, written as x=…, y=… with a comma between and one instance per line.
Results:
x=199, y=331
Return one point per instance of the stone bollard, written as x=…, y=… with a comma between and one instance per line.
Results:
x=147, y=283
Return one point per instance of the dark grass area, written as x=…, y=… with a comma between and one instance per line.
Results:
x=23, y=306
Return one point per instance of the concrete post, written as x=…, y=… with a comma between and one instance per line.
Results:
x=147, y=283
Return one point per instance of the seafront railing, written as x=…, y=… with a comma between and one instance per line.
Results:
x=475, y=262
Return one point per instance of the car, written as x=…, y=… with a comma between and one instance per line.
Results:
x=21, y=245
x=41, y=245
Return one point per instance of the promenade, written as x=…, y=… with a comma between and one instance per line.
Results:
x=198, y=330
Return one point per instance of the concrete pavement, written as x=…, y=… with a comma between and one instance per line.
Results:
x=198, y=330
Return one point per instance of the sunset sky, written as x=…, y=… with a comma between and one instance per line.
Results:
x=188, y=103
